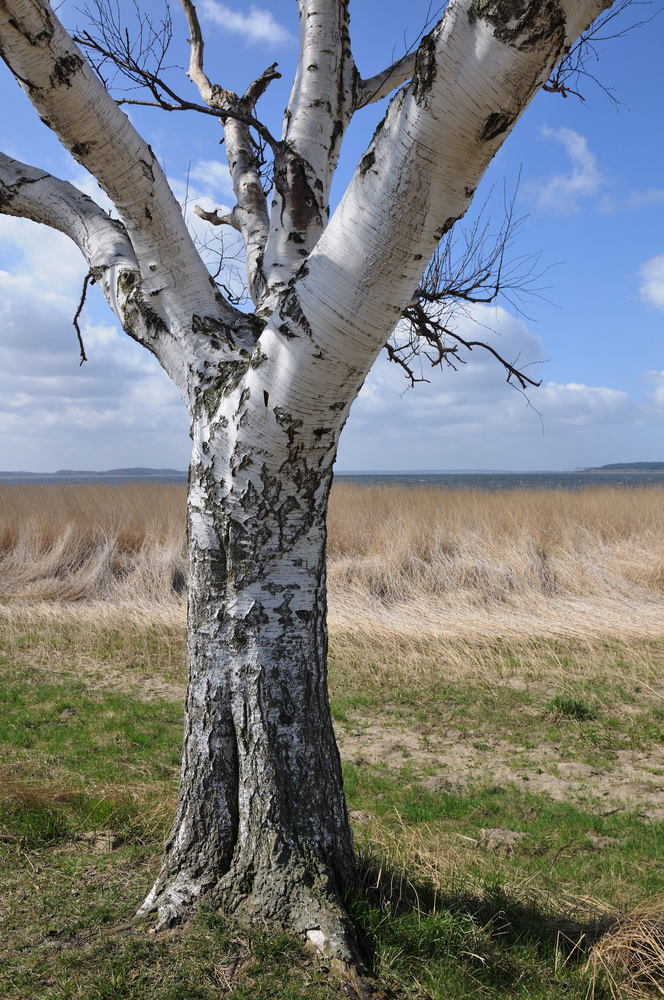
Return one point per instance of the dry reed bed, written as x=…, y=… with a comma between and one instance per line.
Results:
x=415, y=560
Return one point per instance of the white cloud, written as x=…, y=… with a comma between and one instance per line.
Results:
x=212, y=175
x=118, y=409
x=575, y=404
x=256, y=27
x=39, y=256
x=655, y=380
x=652, y=281
x=561, y=193
x=471, y=419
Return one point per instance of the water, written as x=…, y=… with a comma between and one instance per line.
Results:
x=501, y=481
x=491, y=481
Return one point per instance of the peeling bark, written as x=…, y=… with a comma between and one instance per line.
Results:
x=261, y=826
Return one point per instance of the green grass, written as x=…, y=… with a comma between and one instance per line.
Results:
x=88, y=776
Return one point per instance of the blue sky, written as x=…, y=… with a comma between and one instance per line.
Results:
x=592, y=187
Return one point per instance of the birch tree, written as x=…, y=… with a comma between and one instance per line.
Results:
x=261, y=827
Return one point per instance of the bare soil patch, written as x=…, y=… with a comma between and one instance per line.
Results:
x=448, y=761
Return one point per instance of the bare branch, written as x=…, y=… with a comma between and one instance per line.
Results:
x=568, y=76
x=196, y=45
x=382, y=84
x=139, y=53
x=89, y=276
x=73, y=102
x=471, y=268
x=256, y=89
x=215, y=219
x=250, y=215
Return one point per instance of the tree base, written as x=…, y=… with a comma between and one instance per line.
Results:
x=293, y=901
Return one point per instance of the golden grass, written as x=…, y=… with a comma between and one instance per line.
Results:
x=629, y=958
x=119, y=544
x=409, y=561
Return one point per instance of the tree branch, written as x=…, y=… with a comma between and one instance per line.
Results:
x=89, y=277
x=76, y=106
x=469, y=267
x=30, y=193
x=574, y=67
x=382, y=84
x=319, y=110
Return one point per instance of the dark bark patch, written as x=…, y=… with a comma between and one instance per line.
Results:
x=45, y=32
x=211, y=327
x=147, y=170
x=445, y=228
x=290, y=308
x=64, y=69
x=496, y=124
x=292, y=183
x=425, y=68
x=256, y=324
x=258, y=357
x=526, y=24
x=81, y=148
x=228, y=377
x=367, y=162
x=285, y=420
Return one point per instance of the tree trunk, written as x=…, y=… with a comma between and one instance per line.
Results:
x=261, y=827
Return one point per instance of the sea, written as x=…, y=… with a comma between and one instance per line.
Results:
x=462, y=480
x=501, y=481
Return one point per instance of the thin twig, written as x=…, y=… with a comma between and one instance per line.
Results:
x=88, y=278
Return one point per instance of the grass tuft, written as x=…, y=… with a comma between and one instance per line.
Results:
x=564, y=707
x=629, y=958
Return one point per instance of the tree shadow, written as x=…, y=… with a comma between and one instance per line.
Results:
x=497, y=933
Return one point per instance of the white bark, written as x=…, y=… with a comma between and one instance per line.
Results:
x=382, y=84
x=250, y=215
x=34, y=194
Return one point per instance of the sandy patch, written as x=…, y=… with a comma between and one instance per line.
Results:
x=445, y=761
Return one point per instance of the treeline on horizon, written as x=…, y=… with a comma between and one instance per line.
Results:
x=139, y=473
x=627, y=467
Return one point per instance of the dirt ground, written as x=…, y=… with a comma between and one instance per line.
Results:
x=448, y=761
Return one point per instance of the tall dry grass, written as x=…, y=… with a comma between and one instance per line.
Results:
x=97, y=542
x=420, y=559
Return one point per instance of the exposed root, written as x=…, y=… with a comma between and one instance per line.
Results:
x=284, y=902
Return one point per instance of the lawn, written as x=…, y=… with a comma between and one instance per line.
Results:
x=507, y=797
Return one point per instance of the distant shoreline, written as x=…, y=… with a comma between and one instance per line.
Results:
x=629, y=472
